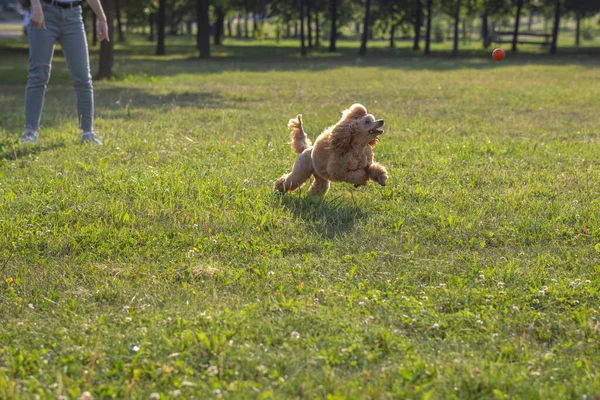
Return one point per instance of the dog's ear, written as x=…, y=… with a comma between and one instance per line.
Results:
x=341, y=135
x=355, y=111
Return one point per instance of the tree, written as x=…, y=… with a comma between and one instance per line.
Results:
x=556, y=27
x=428, y=31
x=309, y=23
x=119, y=21
x=517, y=19
x=107, y=51
x=333, y=33
x=365, y=35
x=417, y=25
x=203, y=34
x=302, y=45
x=160, y=45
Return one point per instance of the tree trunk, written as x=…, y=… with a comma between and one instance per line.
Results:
x=254, y=26
x=119, y=22
x=317, y=30
x=392, y=33
x=456, y=24
x=517, y=20
x=309, y=24
x=365, y=35
x=555, y=28
x=203, y=34
x=246, y=32
x=485, y=31
x=229, y=28
x=428, y=31
x=295, y=29
x=188, y=27
x=94, y=32
x=333, y=33
x=238, y=26
x=577, y=28
x=288, y=30
x=219, y=28
x=417, y=26
x=107, y=53
x=464, y=31
x=302, y=46
x=160, y=46
x=530, y=20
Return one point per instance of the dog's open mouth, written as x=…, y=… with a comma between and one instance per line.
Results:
x=377, y=129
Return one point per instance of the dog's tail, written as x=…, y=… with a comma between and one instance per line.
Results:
x=300, y=141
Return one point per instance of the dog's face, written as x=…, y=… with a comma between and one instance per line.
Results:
x=368, y=128
x=357, y=128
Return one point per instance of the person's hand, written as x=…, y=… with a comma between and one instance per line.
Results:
x=102, y=29
x=37, y=17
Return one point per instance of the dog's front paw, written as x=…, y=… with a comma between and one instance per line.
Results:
x=279, y=185
x=381, y=179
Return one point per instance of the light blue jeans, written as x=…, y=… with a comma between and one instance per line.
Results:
x=65, y=26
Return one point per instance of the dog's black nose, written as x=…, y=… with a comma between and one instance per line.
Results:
x=380, y=122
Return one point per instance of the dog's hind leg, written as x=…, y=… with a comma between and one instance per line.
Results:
x=320, y=186
x=301, y=172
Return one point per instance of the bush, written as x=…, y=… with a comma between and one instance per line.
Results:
x=438, y=33
x=587, y=33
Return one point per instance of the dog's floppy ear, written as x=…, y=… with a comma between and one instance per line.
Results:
x=341, y=135
x=355, y=111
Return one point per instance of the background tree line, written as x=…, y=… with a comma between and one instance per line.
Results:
x=313, y=21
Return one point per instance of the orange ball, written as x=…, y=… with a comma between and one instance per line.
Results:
x=498, y=54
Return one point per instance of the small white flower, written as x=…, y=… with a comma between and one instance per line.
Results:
x=213, y=370
x=128, y=319
x=481, y=276
x=176, y=393
x=188, y=384
x=516, y=308
x=480, y=322
x=271, y=273
x=494, y=335
x=587, y=282
x=63, y=397
x=435, y=326
x=536, y=301
x=154, y=396
x=361, y=303
x=86, y=396
x=195, y=226
x=31, y=306
x=295, y=335
x=424, y=297
x=217, y=392
x=246, y=181
x=542, y=293
x=262, y=369
x=501, y=284
x=191, y=253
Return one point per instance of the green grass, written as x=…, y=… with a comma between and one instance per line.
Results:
x=164, y=263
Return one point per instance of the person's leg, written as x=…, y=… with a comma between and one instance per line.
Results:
x=41, y=48
x=74, y=45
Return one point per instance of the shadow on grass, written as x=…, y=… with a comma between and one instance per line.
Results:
x=327, y=217
x=111, y=102
x=13, y=150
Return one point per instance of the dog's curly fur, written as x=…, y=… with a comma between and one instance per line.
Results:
x=342, y=153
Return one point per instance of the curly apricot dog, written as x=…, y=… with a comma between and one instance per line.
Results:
x=342, y=153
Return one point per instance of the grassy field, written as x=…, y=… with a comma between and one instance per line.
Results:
x=162, y=265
